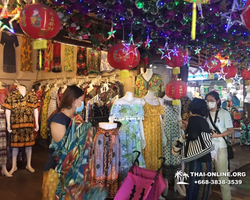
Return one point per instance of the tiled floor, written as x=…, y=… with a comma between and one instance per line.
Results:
x=27, y=186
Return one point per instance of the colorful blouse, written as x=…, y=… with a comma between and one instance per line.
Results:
x=93, y=61
x=155, y=84
x=3, y=95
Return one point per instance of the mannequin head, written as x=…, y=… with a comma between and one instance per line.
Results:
x=72, y=99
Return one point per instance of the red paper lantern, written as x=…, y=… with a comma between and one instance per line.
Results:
x=177, y=59
x=176, y=90
x=39, y=21
x=246, y=14
x=211, y=65
x=245, y=74
x=123, y=57
x=230, y=71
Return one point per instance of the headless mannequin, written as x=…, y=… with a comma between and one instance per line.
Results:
x=107, y=126
x=148, y=74
x=180, y=188
x=152, y=99
x=28, y=150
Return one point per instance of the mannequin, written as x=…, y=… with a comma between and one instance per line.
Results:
x=107, y=126
x=148, y=74
x=28, y=150
x=128, y=110
x=172, y=130
x=129, y=98
x=142, y=70
x=152, y=99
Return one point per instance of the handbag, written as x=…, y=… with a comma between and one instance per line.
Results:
x=230, y=151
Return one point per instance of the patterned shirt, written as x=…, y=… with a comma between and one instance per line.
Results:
x=155, y=84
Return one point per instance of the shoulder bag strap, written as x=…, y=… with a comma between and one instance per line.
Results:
x=214, y=123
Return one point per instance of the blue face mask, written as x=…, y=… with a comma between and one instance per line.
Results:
x=79, y=109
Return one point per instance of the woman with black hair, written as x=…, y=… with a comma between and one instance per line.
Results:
x=198, y=145
x=221, y=122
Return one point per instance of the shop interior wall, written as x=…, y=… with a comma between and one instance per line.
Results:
x=28, y=78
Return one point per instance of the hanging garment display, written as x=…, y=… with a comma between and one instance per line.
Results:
x=59, y=97
x=185, y=114
x=172, y=133
x=3, y=141
x=93, y=61
x=9, y=41
x=48, y=56
x=105, y=66
x=53, y=101
x=22, y=117
x=56, y=66
x=105, y=171
x=153, y=135
x=69, y=58
x=130, y=117
x=155, y=84
x=81, y=61
x=26, y=54
x=44, y=116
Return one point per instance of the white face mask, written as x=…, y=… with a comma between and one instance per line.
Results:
x=211, y=105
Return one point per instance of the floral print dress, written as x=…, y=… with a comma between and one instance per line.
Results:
x=155, y=84
x=69, y=58
x=153, y=135
x=81, y=61
x=130, y=117
x=26, y=52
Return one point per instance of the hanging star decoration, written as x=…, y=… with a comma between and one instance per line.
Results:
x=236, y=79
x=236, y=7
x=131, y=42
x=147, y=42
x=197, y=50
x=222, y=75
x=112, y=32
x=165, y=52
x=4, y=14
x=214, y=62
x=187, y=60
x=175, y=52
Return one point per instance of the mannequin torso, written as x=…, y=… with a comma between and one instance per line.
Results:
x=129, y=99
x=152, y=99
x=22, y=90
x=107, y=126
x=148, y=74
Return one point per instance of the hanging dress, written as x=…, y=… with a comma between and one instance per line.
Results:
x=53, y=101
x=81, y=61
x=69, y=58
x=105, y=171
x=130, y=117
x=172, y=133
x=44, y=116
x=93, y=61
x=56, y=67
x=26, y=54
x=9, y=41
x=153, y=135
x=48, y=57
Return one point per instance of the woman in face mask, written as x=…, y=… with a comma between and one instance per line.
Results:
x=70, y=149
x=220, y=122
